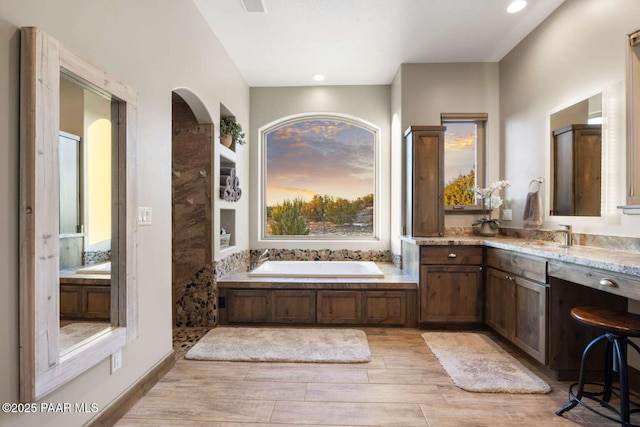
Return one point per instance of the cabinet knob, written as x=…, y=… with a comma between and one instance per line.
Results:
x=452, y=255
x=608, y=282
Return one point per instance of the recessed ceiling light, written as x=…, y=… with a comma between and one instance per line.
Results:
x=516, y=6
x=318, y=77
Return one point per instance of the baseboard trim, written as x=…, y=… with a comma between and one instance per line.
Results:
x=116, y=409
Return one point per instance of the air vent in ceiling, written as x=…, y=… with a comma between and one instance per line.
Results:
x=254, y=6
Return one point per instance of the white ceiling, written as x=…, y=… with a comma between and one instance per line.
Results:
x=362, y=42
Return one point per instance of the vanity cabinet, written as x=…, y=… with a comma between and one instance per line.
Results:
x=516, y=300
x=424, y=183
x=451, y=284
x=577, y=180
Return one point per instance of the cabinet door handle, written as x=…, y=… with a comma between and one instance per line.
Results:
x=452, y=255
x=608, y=282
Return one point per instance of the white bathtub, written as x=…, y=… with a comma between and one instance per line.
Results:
x=103, y=268
x=362, y=269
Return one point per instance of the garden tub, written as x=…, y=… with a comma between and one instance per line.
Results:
x=347, y=269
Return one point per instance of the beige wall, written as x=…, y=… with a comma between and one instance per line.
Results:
x=370, y=103
x=397, y=169
x=154, y=46
x=578, y=51
x=424, y=91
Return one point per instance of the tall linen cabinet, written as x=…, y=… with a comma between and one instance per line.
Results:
x=424, y=209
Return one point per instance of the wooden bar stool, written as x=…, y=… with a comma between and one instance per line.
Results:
x=618, y=327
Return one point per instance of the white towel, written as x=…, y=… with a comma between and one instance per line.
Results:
x=532, y=217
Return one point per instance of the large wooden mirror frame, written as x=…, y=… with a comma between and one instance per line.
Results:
x=42, y=367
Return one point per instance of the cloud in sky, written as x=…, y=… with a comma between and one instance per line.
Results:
x=460, y=149
x=319, y=156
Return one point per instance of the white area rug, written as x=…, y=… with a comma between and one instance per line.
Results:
x=282, y=345
x=476, y=363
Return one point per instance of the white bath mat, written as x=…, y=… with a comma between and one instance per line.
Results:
x=476, y=363
x=282, y=345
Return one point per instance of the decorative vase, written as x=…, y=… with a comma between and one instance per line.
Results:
x=486, y=230
x=226, y=140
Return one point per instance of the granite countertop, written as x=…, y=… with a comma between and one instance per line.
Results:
x=587, y=256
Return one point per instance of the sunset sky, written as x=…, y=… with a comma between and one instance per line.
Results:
x=460, y=156
x=314, y=156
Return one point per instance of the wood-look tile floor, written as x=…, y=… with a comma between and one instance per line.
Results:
x=403, y=385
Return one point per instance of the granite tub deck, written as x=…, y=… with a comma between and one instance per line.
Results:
x=326, y=301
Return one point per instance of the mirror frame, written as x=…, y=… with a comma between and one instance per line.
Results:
x=42, y=367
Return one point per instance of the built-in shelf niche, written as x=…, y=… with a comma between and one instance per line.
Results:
x=225, y=112
x=228, y=223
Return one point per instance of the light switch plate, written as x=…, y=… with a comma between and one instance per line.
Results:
x=144, y=216
x=507, y=214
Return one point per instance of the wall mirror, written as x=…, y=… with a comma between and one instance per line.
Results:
x=77, y=223
x=576, y=159
x=633, y=122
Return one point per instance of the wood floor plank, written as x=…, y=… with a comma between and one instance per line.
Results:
x=308, y=374
x=224, y=424
x=203, y=408
x=244, y=390
x=353, y=414
x=383, y=393
x=427, y=375
x=155, y=422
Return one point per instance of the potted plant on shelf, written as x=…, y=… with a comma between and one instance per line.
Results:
x=489, y=226
x=230, y=132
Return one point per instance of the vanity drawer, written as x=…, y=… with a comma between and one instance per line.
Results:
x=522, y=265
x=451, y=255
x=624, y=286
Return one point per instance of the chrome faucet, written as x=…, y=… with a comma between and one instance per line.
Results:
x=568, y=234
x=254, y=263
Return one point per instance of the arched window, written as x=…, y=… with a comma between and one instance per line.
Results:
x=319, y=178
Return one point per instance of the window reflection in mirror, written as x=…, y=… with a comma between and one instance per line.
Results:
x=85, y=151
x=576, y=163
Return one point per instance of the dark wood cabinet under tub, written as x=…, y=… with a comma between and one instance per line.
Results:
x=385, y=302
x=88, y=299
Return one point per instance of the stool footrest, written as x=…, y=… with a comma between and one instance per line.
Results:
x=591, y=395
